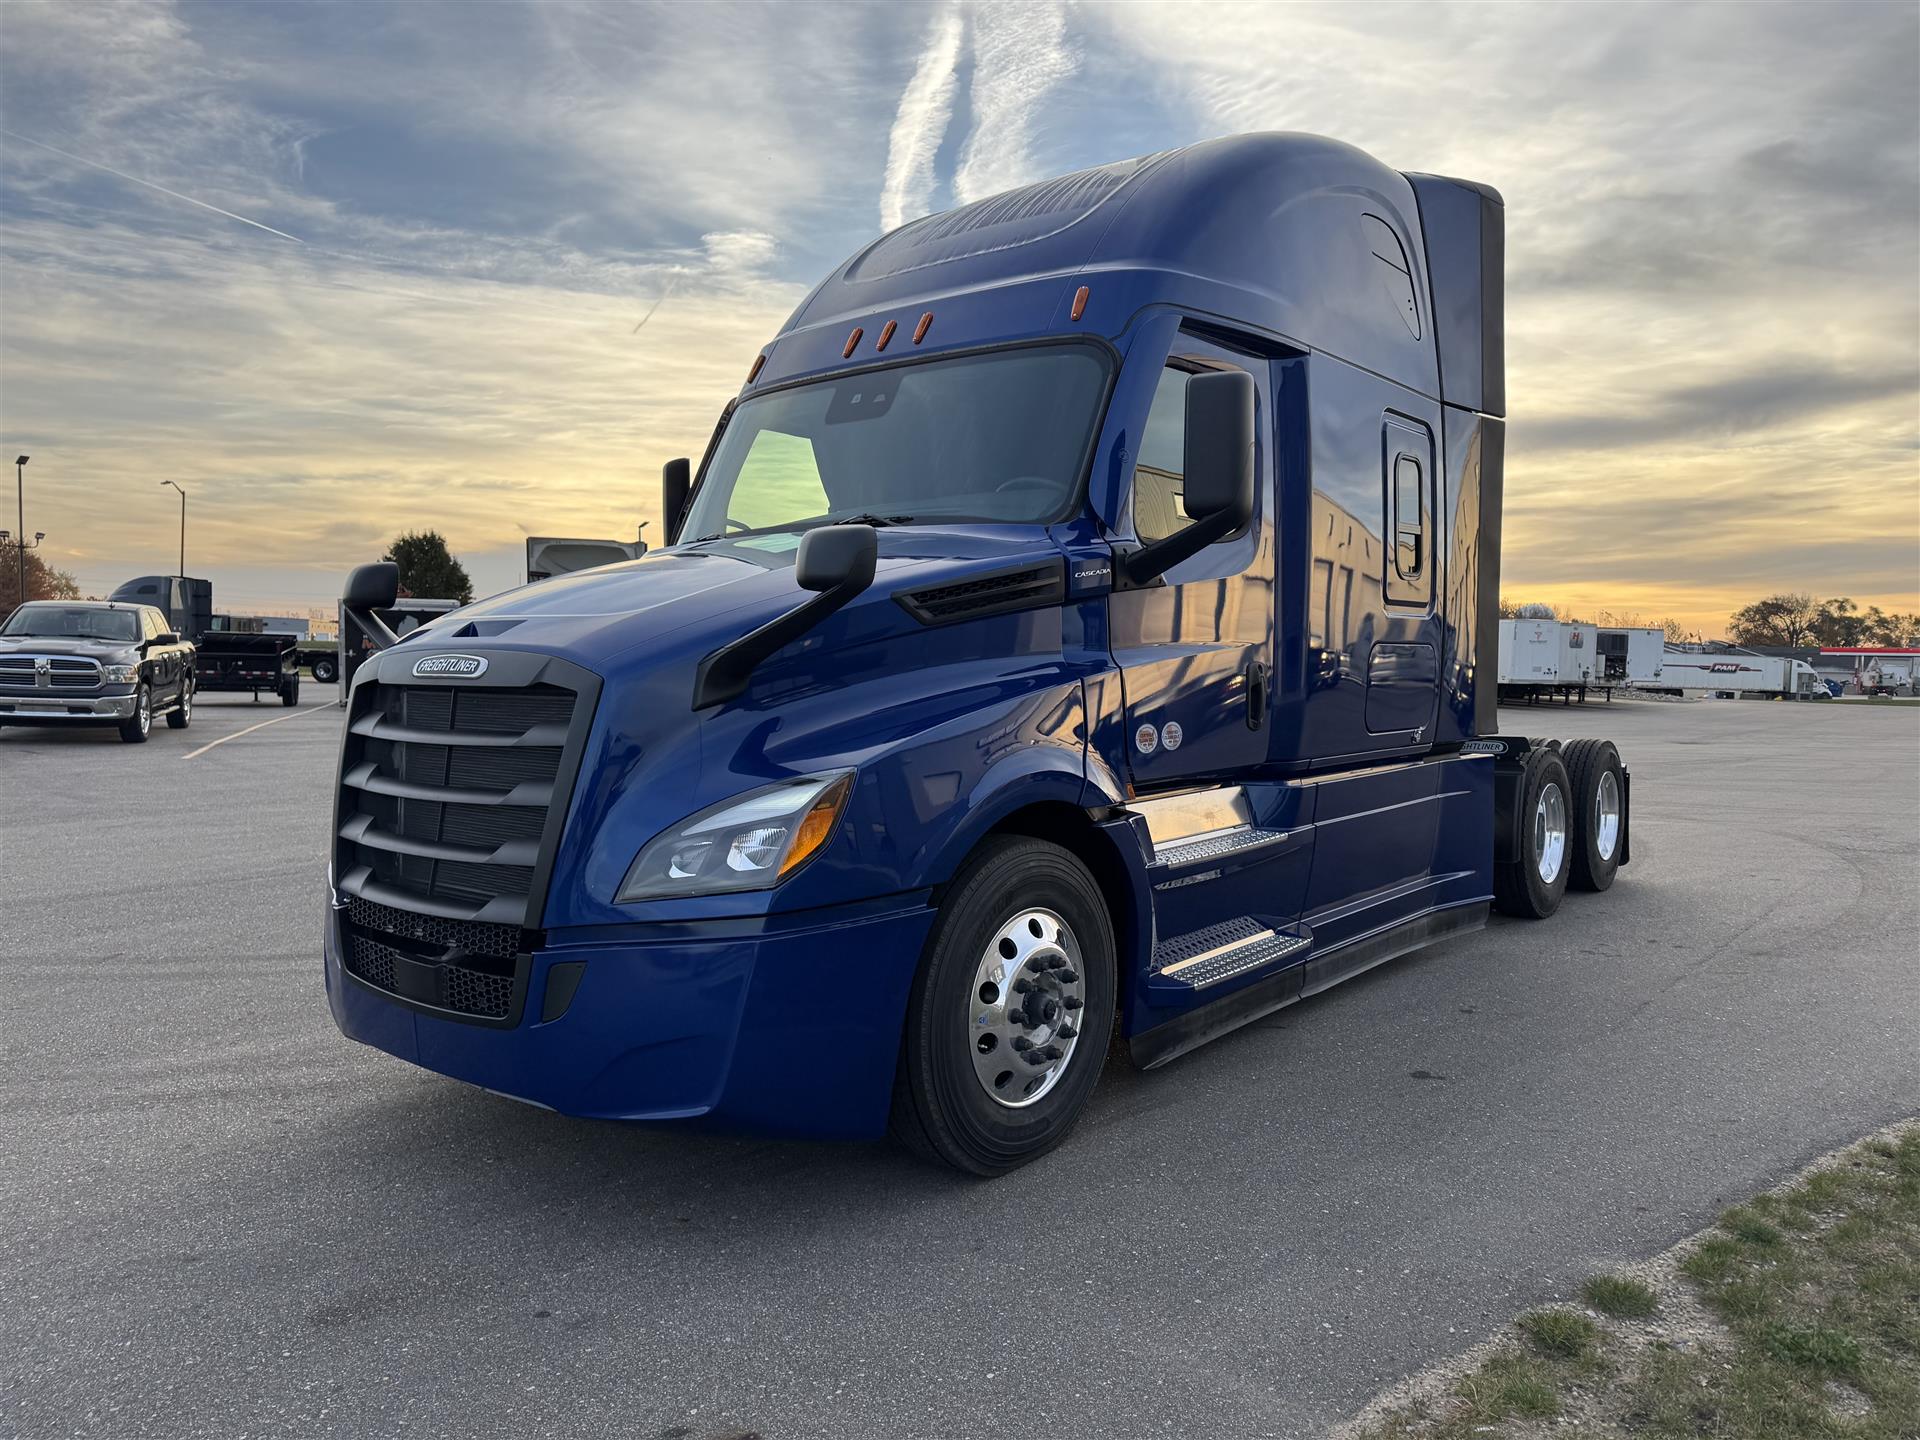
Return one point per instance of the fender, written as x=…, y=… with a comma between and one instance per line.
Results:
x=1037, y=775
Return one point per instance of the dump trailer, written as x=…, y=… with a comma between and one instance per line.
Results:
x=231, y=653
x=1080, y=625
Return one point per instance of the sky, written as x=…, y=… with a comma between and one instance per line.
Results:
x=343, y=270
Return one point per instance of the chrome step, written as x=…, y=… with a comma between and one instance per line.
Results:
x=1221, y=952
x=1216, y=846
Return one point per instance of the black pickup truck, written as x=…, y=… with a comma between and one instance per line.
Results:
x=94, y=662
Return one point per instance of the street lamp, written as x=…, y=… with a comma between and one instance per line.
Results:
x=20, y=495
x=183, y=528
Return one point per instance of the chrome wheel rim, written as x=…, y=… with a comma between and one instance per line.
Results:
x=1550, y=832
x=1023, y=1013
x=186, y=703
x=145, y=706
x=1606, y=815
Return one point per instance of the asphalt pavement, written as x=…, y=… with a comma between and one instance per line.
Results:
x=220, y=1218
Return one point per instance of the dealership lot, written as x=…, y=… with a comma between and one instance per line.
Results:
x=217, y=1216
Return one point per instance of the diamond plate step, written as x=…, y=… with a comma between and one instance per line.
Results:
x=1213, y=847
x=1220, y=952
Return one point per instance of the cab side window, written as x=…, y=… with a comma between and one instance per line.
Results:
x=1159, y=484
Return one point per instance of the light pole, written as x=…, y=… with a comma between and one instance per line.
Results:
x=20, y=495
x=183, y=528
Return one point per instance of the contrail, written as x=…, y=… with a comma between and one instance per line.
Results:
x=919, y=123
x=1019, y=55
x=673, y=281
x=136, y=180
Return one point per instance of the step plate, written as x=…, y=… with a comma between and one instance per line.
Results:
x=1221, y=952
x=1213, y=847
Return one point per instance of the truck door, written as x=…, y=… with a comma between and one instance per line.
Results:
x=1195, y=649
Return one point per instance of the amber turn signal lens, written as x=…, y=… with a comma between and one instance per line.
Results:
x=759, y=363
x=852, y=340
x=886, y=334
x=1079, y=303
x=920, y=330
x=816, y=826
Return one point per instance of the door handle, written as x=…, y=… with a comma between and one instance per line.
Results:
x=1256, y=682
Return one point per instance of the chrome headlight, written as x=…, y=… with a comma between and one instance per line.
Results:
x=120, y=674
x=751, y=842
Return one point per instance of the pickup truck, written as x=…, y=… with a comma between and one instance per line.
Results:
x=1080, y=631
x=94, y=662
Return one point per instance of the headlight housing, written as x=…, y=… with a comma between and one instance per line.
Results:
x=751, y=842
x=120, y=674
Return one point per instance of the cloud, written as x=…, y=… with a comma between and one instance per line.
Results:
x=919, y=124
x=1020, y=53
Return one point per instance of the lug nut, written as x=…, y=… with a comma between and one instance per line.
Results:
x=1021, y=1042
x=1066, y=1031
x=1037, y=1057
x=1069, y=977
x=1073, y=1002
x=1053, y=1052
x=1022, y=985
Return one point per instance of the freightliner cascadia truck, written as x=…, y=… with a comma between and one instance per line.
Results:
x=1079, y=632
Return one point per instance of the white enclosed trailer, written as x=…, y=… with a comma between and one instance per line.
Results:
x=1546, y=658
x=1734, y=674
x=1629, y=655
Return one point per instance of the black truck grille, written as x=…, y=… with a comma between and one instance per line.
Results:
x=447, y=794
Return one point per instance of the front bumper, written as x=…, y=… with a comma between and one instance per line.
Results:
x=795, y=1032
x=50, y=706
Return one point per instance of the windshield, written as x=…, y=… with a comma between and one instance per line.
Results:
x=73, y=622
x=997, y=437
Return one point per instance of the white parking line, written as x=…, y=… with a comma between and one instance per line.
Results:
x=303, y=710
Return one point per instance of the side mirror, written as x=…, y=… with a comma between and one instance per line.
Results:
x=676, y=478
x=836, y=555
x=1218, y=466
x=166, y=637
x=372, y=587
x=836, y=563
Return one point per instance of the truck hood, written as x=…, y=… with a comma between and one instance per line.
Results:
x=107, y=652
x=720, y=589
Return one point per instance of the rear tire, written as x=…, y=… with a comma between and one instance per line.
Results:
x=290, y=692
x=323, y=670
x=137, y=726
x=181, y=715
x=968, y=1093
x=1599, y=812
x=1532, y=885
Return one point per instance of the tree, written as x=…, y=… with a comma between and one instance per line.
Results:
x=1678, y=634
x=1777, y=620
x=1839, y=622
x=428, y=570
x=43, y=581
x=1883, y=629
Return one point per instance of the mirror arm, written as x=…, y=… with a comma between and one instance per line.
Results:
x=1150, y=562
x=723, y=675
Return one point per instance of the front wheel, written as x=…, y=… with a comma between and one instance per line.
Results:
x=137, y=726
x=1010, y=1016
x=324, y=669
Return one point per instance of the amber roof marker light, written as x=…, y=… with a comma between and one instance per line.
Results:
x=759, y=364
x=1079, y=303
x=853, y=342
x=920, y=330
x=886, y=334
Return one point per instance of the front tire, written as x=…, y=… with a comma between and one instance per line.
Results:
x=324, y=670
x=137, y=726
x=1011, y=1013
x=1533, y=884
x=1599, y=811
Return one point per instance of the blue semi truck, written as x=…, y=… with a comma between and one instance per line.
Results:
x=1079, y=632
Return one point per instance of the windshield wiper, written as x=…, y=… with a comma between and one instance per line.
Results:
x=877, y=521
x=864, y=519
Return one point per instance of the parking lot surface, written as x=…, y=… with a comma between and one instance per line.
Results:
x=218, y=1217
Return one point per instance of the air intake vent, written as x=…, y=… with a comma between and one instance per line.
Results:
x=1028, y=588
